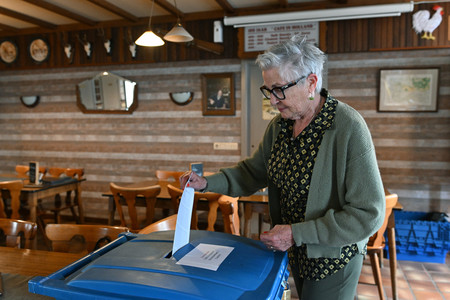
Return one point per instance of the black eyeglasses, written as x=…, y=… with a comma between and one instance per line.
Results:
x=278, y=91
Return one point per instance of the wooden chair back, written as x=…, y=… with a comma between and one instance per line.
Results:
x=80, y=238
x=376, y=243
x=229, y=208
x=127, y=196
x=71, y=172
x=14, y=187
x=56, y=171
x=168, y=175
x=377, y=240
x=19, y=234
x=75, y=172
x=213, y=203
x=22, y=170
x=168, y=223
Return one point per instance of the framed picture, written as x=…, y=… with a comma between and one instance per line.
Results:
x=408, y=90
x=8, y=52
x=218, y=94
x=39, y=50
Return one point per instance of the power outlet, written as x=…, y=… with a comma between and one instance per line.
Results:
x=225, y=146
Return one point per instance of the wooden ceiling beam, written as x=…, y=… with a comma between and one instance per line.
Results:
x=115, y=9
x=8, y=28
x=170, y=8
x=61, y=11
x=226, y=6
x=26, y=18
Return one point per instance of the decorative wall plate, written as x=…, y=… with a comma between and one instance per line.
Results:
x=8, y=52
x=39, y=50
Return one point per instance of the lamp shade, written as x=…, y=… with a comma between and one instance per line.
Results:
x=178, y=35
x=149, y=39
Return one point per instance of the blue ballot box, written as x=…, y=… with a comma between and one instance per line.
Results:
x=138, y=266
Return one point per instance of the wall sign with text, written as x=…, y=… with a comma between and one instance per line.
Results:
x=259, y=38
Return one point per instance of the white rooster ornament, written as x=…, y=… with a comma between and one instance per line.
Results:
x=423, y=23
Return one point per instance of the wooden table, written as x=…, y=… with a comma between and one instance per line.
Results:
x=32, y=193
x=18, y=266
x=254, y=203
x=34, y=262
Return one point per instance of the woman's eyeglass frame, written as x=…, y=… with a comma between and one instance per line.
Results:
x=281, y=89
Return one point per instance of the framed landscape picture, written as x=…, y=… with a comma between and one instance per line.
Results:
x=408, y=90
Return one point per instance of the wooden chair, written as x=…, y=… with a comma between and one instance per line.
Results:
x=168, y=223
x=168, y=175
x=19, y=234
x=56, y=172
x=80, y=238
x=22, y=170
x=213, y=203
x=127, y=196
x=52, y=208
x=14, y=187
x=376, y=244
x=229, y=208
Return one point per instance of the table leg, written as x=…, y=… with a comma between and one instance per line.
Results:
x=33, y=200
x=248, y=211
x=392, y=254
x=80, y=203
x=111, y=210
x=212, y=214
x=15, y=206
x=2, y=207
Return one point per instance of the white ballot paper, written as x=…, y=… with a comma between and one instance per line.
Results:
x=206, y=256
x=183, y=227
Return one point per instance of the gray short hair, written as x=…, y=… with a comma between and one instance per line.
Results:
x=294, y=58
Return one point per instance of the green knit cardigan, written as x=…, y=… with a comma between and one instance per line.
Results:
x=346, y=200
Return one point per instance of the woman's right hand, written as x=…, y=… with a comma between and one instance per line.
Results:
x=195, y=181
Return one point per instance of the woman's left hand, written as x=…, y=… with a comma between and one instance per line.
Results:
x=278, y=238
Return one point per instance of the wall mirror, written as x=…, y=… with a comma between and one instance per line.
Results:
x=107, y=93
x=182, y=98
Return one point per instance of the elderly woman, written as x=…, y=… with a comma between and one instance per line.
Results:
x=318, y=161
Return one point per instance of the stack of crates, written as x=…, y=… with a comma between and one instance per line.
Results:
x=418, y=239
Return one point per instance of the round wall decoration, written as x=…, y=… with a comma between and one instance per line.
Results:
x=8, y=52
x=39, y=50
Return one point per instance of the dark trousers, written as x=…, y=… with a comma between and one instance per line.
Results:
x=339, y=286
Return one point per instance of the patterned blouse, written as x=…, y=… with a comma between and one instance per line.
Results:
x=290, y=168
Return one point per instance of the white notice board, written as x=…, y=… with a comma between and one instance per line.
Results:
x=259, y=38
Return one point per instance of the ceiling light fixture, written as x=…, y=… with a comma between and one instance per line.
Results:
x=178, y=34
x=358, y=12
x=148, y=38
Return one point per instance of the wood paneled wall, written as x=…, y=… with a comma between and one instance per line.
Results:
x=117, y=148
x=202, y=48
x=413, y=148
x=390, y=33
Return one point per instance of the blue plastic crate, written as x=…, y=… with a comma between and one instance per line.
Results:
x=418, y=239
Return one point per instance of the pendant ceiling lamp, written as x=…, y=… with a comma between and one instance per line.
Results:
x=148, y=38
x=178, y=34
